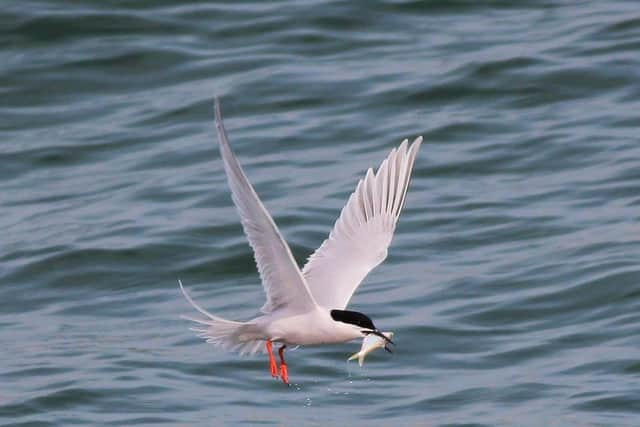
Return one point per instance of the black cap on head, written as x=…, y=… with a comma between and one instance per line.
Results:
x=353, y=318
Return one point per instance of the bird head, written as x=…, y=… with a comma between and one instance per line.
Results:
x=362, y=322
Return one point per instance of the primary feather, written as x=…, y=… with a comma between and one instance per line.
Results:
x=363, y=232
x=281, y=278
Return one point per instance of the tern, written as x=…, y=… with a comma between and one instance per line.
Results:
x=308, y=306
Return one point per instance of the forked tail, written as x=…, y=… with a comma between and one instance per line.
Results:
x=242, y=337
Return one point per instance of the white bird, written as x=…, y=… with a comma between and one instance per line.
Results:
x=308, y=306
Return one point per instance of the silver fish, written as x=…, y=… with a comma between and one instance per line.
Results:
x=370, y=343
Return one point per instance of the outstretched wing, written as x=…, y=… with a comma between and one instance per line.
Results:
x=281, y=278
x=363, y=232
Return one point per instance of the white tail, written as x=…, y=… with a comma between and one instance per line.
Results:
x=242, y=337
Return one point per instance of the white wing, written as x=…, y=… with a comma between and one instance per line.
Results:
x=282, y=280
x=363, y=232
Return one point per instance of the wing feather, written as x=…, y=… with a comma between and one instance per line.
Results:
x=362, y=234
x=282, y=280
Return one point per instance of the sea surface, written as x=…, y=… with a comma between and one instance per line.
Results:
x=513, y=281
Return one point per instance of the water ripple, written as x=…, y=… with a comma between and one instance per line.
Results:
x=511, y=284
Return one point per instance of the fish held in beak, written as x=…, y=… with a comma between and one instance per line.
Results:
x=371, y=342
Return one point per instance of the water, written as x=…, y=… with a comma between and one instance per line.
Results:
x=513, y=280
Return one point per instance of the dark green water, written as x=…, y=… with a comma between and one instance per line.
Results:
x=513, y=283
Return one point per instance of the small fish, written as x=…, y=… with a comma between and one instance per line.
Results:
x=370, y=343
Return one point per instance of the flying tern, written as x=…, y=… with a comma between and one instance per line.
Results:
x=308, y=306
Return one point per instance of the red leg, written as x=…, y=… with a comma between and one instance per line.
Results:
x=284, y=372
x=272, y=360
